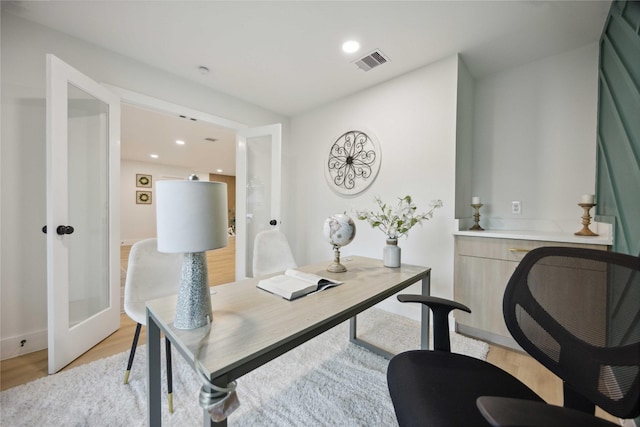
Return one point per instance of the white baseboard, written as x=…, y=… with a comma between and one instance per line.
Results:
x=34, y=341
x=489, y=337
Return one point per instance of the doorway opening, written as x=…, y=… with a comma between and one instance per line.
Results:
x=182, y=142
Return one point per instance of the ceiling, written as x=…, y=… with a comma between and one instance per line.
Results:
x=286, y=56
x=144, y=132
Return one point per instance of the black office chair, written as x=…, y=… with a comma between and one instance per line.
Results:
x=576, y=311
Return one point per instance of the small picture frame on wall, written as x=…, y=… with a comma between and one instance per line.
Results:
x=143, y=180
x=143, y=197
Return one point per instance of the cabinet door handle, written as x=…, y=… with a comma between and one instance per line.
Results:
x=518, y=250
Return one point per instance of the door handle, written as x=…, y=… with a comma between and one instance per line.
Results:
x=64, y=229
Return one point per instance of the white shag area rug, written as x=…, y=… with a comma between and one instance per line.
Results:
x=327, y=381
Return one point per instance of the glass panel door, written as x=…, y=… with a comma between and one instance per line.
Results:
x=258, y=189
x=83, y=252
x=88, y=194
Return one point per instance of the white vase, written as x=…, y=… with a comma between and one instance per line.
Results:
x=391, y=254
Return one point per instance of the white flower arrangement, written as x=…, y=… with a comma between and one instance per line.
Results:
x=396, y=221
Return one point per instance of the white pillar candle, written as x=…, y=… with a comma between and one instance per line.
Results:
x=587, y=198
x=475, y=200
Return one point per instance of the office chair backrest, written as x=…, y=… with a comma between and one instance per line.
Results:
x=577, y=311
x=271, y=253
x=150, y=274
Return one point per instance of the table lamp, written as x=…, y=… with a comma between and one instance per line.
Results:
x=191, y=219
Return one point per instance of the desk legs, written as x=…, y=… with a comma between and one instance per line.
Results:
x=154, y=389
x=154, y=379
x=424, y=320
x=362, y=343
x=424, y=327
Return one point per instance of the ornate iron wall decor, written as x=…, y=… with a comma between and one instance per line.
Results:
x=353, y=163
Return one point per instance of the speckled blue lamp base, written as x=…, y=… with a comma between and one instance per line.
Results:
x=194, y=298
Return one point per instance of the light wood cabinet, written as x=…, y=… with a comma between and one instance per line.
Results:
x=483, y=266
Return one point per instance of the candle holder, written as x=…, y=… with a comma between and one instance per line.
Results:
x=586, y=220
x=476, y=217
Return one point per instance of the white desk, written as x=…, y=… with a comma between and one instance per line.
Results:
x=251, y=327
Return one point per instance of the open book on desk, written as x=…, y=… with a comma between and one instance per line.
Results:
x=294, y=284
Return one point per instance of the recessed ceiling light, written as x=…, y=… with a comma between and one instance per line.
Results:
x=219, y=170
x=154, y=156
x=179, y=142
x=350, y=46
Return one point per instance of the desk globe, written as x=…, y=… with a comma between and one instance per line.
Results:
x=339, y=230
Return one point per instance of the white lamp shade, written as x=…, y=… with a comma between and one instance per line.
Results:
x=191, y=216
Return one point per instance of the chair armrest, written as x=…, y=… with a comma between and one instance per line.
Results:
x=433, y=301
x=440, y=308
x=506, y=412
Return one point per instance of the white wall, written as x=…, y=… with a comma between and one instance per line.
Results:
x=532, y=139
x=414, y=118
x=535, y=139
x=138, y=221
x=23, y=255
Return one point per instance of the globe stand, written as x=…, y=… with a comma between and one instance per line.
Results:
x=335, y=266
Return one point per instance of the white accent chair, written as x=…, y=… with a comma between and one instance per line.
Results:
x=271, y=253
x=150, y=275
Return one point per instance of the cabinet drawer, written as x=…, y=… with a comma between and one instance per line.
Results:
x=506, y=249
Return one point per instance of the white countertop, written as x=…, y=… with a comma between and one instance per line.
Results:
x=549, y=236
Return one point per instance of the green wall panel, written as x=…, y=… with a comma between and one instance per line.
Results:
x=618, y=155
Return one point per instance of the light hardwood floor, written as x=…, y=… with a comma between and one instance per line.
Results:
x=23, y=369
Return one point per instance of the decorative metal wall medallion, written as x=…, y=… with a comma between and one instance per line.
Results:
x=353, y=163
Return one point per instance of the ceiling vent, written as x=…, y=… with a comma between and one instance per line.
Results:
x=371, y=61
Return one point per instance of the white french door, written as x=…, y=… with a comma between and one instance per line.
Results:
x=258, y=180
x=83, y=162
